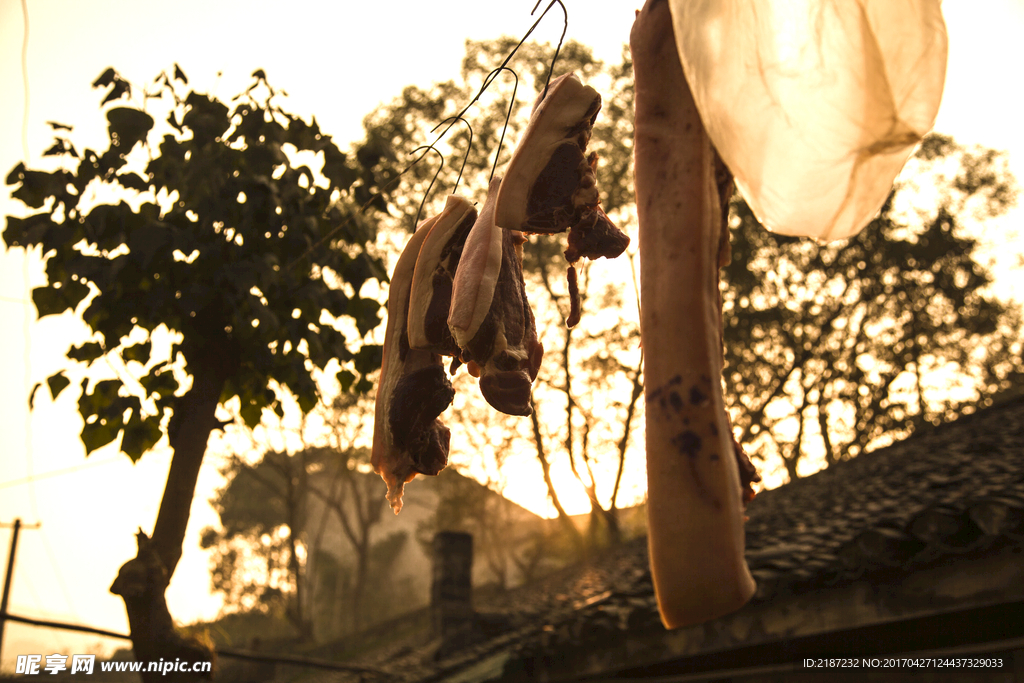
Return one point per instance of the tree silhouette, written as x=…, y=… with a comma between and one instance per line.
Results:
x=263, y=515
x=229, y=235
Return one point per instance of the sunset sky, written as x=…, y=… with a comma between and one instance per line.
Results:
x=338, y=60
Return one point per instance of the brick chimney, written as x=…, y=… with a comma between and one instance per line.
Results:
x=451, y=594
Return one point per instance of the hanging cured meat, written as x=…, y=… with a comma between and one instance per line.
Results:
x=433, y=277
x=490, y=316
x=551, y=184
x=413, y=390
x=815, y=105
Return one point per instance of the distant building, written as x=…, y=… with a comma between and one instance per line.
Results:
x=399, y=565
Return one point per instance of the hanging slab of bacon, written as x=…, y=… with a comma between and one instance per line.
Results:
x=551, y=185
x=431, y=296
x=490, y=317
x=412, y=392
x=695, y=492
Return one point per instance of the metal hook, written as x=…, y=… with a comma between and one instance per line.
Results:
x=469, y=146
x=487, y=81
x=512, y=101
x=426, y=194
x=558, y=48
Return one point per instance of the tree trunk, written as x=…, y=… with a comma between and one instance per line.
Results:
x=359, y=590
x=142, y=581
x=563, y=516
x=296, y=491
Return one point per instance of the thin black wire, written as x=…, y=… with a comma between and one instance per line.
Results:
x=469, y=147
x=487, y=82
x=511, y=104
x=426, y=194
x=54, y=473
x=558, y=48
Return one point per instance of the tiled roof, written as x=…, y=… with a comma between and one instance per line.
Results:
x=954, y=489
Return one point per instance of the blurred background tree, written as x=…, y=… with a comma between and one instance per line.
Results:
x=844, y=347
x=258, y=555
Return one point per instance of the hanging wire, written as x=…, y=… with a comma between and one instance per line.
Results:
x=469, y=146
x=426, y=148
x=511, y=103
x=558, y=48
x=487, y=82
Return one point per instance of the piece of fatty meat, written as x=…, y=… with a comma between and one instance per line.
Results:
x=490, y=317
x=413, y=390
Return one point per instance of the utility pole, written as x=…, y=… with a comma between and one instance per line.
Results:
x=10, y=574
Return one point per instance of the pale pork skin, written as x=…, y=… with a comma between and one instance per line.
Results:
x=695, y=497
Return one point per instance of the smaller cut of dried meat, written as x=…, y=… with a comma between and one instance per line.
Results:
x=551, y=184
x=431, y=296
x=413, y=390
x=490, y=317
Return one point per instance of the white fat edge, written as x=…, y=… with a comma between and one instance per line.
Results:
x=567, y=103
x=500, y=342
x=455, y=211
x=551, y=88
x=391, y=369
x=477, y=274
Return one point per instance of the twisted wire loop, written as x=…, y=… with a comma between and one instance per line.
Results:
x=459, y=117
x=511, y=103
x=469, y=146
x=426, y=149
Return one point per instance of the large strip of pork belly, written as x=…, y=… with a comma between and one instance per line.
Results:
x=695, y=506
